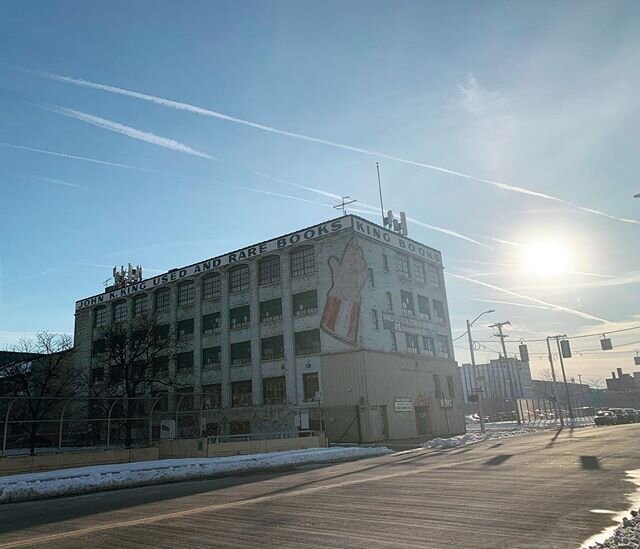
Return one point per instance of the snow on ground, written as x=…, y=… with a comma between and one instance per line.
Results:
x=625, y=536
x=473, y=438
x=123, y=475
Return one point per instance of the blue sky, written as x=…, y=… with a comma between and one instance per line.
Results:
x=539, y=96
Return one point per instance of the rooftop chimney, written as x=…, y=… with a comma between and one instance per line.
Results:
x=613, y=375
x=619, y=372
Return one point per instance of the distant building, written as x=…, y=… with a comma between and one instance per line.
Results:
x=493, y=379
x=623, y=390
x=345, y=314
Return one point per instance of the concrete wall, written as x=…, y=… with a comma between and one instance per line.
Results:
x=372, y=380
x=48, y=462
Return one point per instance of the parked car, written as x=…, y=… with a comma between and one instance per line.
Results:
x=632, y=415
x=619, y=413
x=605, y=417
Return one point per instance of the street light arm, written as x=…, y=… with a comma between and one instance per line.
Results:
x=483, y=313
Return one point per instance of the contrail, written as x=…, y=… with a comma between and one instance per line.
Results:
x=128, y=131
x=76, y=157
x=501, y=240
x=221, y=116
x=498, y=301
x=574, y=312
x=59, y=182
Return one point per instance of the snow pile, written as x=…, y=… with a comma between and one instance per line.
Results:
x=473, y=438
x=105, y=477
x=625, y=536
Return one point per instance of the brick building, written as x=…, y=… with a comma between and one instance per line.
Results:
x=345, y=315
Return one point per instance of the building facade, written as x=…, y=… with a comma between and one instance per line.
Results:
x=339, y=315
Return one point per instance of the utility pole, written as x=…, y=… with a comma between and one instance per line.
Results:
x=473, y=367
x=553, y=385
x=499, y=326
x=343, y=204
x=564, y=376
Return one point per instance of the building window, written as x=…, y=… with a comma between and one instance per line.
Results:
x=241, y=393
x=305, y=303
x=434, y=276
x=412, y=343
x=437, y=386
x=429, y=346
x=385, y=263
x=406, y=298
x=274, y=390
x=211, y=358
x=100, y=317
x=271, y=310
x=310, y=385
x=211, y=323
x=161, y=332
x=374, y=319
x=438, y=312
x=372, y=281
x=185, y=329
x=239, y=317
x=394, y=341
x=403, y=266
x=120, y=311
x=307, y=342
x=186, y=293
x=211, y=287
x=269, y=270
x=161, y=366
x=99, y=347
x=97, y=374
x=213, y=395
x=184, y=399
x=303, y=262
x=240, y=427
x=451, y=387
x=443, y=347
x=240, y=353
x=423, y=306
x=239, y=278
x=419, y=273
x=140, y=305
x=185, y=362
x=163, y=299
x=389, y=301
x=272, y=348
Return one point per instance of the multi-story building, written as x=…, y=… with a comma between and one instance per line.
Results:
x=345, y=315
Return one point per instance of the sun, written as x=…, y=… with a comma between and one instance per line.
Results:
x=546, y=258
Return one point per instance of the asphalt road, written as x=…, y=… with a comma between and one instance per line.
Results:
x=534, y=491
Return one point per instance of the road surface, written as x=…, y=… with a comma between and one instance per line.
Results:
x=532, y=491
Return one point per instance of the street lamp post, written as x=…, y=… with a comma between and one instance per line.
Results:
x=473, y=365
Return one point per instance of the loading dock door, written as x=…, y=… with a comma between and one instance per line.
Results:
x=422, y=423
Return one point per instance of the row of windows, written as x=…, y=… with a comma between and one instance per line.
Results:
x=416, y=269
x=274, y=391
x=430, y=347
x=304, y=303
x=271, y=348
x=451, y=388
x=424, y=308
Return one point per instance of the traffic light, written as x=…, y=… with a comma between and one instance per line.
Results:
x=605, y=343
x=524, y=353
x=565, y=347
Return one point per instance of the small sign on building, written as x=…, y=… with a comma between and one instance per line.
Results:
x=403, y=405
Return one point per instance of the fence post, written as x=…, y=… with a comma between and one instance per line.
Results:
x=109, y=421
x=178, y=410
x=6, y=426
x=203, y=401
x=151, y=420
x=61, y=423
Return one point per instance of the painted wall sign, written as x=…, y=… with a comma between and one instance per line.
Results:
x=404, y=324
x=397, y=241
x=342, y=308
x=225, y=260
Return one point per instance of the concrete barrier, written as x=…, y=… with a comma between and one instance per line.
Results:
x=66, y=460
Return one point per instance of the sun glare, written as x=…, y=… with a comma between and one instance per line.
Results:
x=546, y=258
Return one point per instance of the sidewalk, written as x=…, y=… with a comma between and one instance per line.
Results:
x=81, y=480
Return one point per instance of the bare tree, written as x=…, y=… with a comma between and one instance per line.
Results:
x=133, y=360
x=42, y=375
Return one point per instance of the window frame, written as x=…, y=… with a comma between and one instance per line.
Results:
x=118, y=306
x=160, y=303
x=243, y=312
x=211, y=286
x=185, y=329
x=215, y=351
x=271, y=318
x=276, y=385
x=419, y=271
x=312, y=349
x=413, y=349
x=240, y=275
x=217, y=326
x=299, y=263
x=306, y=384
x=278, y=352
x=405, y=307
x=100, y=316
x=268, y=273
x=309, y=308
x=245, y=358
x=403, y=261
x=186, y=293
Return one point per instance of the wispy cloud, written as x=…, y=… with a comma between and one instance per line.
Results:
x=58, y=182
x=500, y=302
x=128, y=131
x=574, y=312
x=221, y=116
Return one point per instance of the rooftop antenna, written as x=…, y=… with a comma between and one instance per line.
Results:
x=343, y=204
x=380, y=190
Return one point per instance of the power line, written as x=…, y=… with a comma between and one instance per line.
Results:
x=572, y=337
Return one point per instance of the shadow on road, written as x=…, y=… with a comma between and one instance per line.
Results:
x=590, y=463
x=498, y=460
